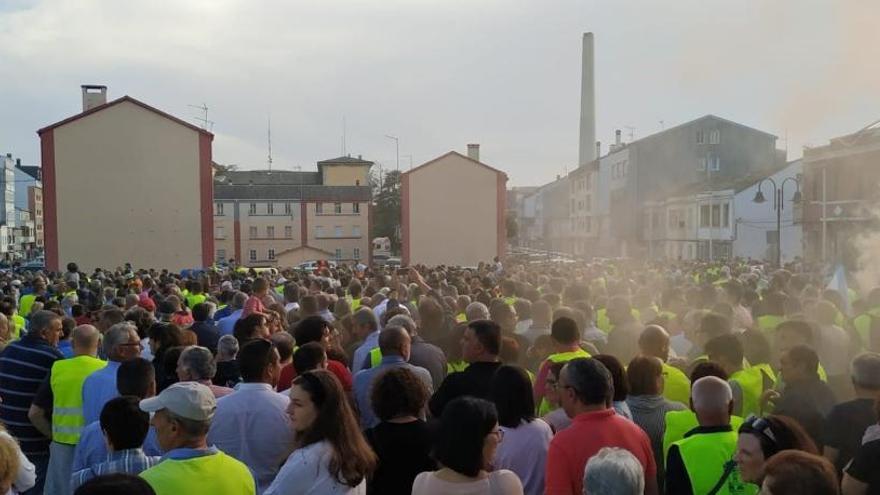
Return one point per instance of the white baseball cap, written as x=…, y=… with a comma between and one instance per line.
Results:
x=189, y=400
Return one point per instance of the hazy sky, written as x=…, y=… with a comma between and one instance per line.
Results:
x=441, y=74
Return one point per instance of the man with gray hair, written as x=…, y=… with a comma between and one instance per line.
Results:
x=701, y=461
x=847, y=421
x=196, y=364
x=476, y=311
x=121, y=343
x=422, y=353
x=366, y=327
x=183, y=415
x=227, y=325
x=614, y=471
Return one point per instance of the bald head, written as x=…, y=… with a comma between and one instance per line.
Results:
x=476, y=311
x=85, y=340
x=394, y=341
x=712, y=400
x=654, y=342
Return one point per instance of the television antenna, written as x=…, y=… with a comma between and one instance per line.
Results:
x=207, y=125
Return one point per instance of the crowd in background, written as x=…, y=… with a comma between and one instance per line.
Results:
x=605, y=377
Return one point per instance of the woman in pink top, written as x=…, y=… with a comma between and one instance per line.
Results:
x=466, y=443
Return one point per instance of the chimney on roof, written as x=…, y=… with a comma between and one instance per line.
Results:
x=18, y=162
x=598, y=149
x=588, y=103
x=474, y=152
x=617, y=138
x=360, y=157
x=93, y=96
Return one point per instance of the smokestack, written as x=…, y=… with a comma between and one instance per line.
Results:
x=617, y=138
x=598, y=148
x=474, y=152
x=586, y=146
x=93, y=96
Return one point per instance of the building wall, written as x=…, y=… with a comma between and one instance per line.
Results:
x=452, y=208
x=126, y=185
x=35, y=205
x=299, y=255
x=353, y=229
x=345, y=175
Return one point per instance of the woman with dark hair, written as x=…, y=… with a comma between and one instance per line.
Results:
x=526, y=439
x=331, y=454
x=762, y=438
x=466, y=441
x=401, y=440
x=621, y=384
x=164, y=336
x=647, y=404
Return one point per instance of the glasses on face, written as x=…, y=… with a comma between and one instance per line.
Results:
x=498, y=433
x=551, y=383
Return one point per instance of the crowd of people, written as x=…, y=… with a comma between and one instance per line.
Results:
x=603, y=377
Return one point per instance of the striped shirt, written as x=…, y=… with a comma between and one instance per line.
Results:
x=24, y=365
x=649, y=412
x=130, y=461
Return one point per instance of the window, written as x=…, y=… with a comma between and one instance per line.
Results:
x=271, y=254
x=252, y=209
x=588, y=224
x=715, y=137
x=337, y=208
x=219, y=233
x=288, y=231
x=716, y=215
x=319, y=231
x=704, y=215
x=725, y=215
x=337, y=231
x=356, y=231
x=356, y=207
x=252, y=232
x=270, y=209
x=338, y=254
x=270, y=232
x=588, y=203
x=701, y=163
x=715, y=163
x=253, y=255
x=287, y=209
x=221, y=255
x=701, y=137
x=319, y=208
x=218, y=209
x=356, y=253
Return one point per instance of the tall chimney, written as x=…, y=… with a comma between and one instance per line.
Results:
x=617, y=138
x=93, y=96
x=586, y=148
x=474, y=152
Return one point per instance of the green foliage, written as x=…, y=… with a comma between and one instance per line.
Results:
x=386, y=207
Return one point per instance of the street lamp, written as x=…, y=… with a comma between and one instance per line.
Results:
x=778, y=195
x=397, y=148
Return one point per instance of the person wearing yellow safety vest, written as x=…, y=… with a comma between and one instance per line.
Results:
x=566, y=342
x=27, y=301
x=792, y=333
x=747, y=384
x=64, y=388
x=654, y=342
x=508, y=292
x=355, y=293
x=701, y=463
x=868, y=320
x=183, y=414
x=196, y=294
x=772, y=312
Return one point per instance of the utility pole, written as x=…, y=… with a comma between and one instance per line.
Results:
x=269, y=133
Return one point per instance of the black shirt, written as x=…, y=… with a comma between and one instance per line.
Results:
x=228, y=374
x=473, y=381
x=207, y=334
x=404, y=452
x=845, y=426
x=808, y=402
x=864, y=466
x=677, y=480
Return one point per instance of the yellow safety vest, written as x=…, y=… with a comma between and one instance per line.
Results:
x=460, y=318
x=561, y=357
x=26, y=303
x=862, y=323
x=193, y=299
x=678, y=423
x=677, y=385
x=355, y=303
x=67, y=380
x=704, y=456
x=768, y=323
x=375, y=357
x=509, y=300
x=751, y=381
x=19, y=325
x=217, y=474
x=456, y=366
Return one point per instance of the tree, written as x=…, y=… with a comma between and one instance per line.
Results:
x=512, y=226
x=386, y=207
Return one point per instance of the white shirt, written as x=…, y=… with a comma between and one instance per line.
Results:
x=307, y=472
x=26, y=477
x=251, y=424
